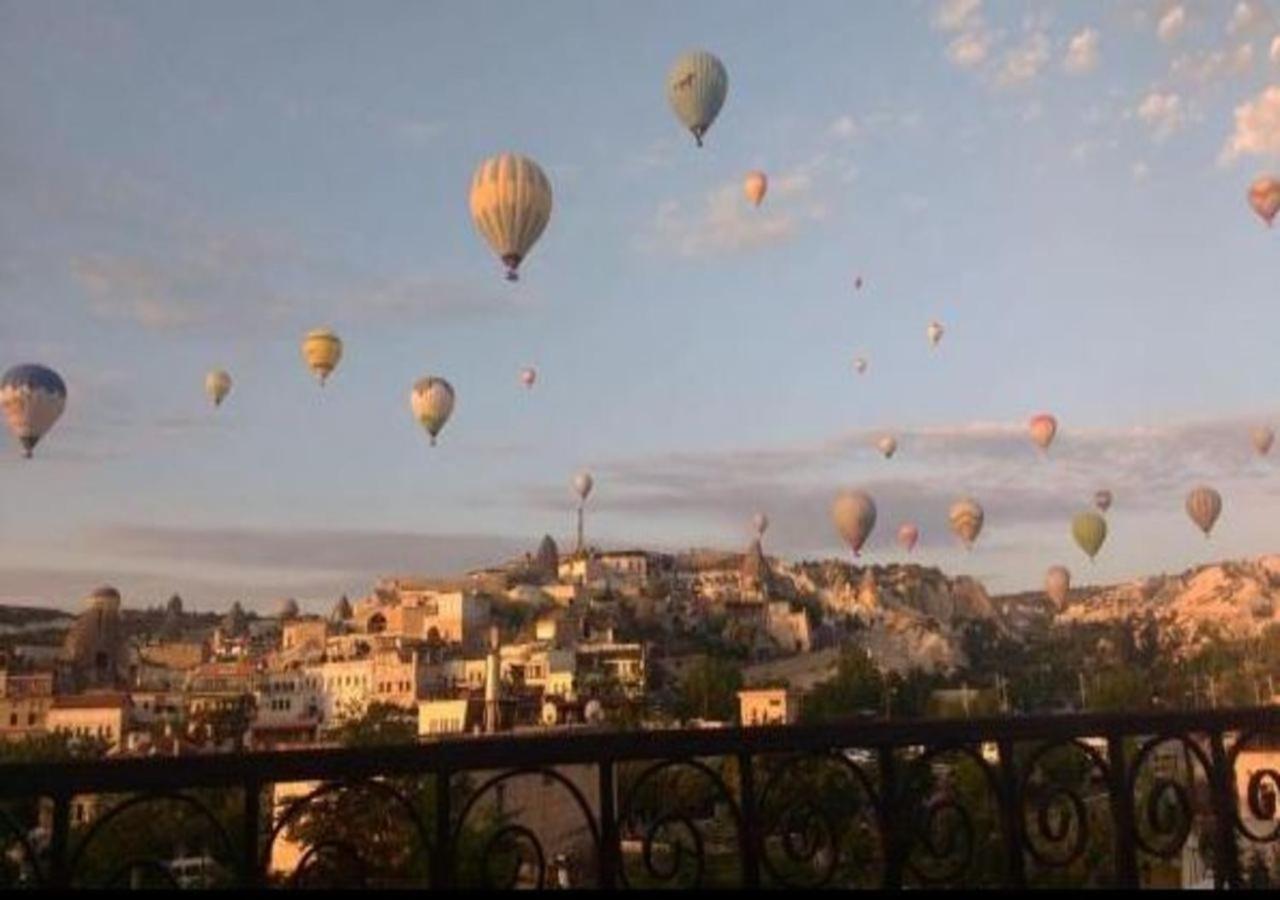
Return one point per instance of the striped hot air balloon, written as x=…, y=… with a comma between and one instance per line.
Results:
x=322, y=351
x=966, y=518
x=432, y=403
x=854, y=515
x=1264, y=197
x=510, y=206
x=1204, y=505
x=1042, y=429
x=697, y=85
x=33, y=398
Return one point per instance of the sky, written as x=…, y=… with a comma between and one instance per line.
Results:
x=190, y=186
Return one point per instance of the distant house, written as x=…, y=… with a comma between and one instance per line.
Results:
x=768, y=706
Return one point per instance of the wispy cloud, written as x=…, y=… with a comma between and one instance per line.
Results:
x=1021, y=64
x=1257, y=128
x=1082, y=52
x=1172, y=25
x=1163, y=112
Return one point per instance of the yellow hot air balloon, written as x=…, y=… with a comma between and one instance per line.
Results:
x=1090, y=531
x=966, y=518
x=322, y=351
x=754, y=186
x=217, y=384
x=432, y=404
x=510, y=205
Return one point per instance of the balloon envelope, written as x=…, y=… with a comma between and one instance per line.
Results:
x=432, y=402
x=887, y=446
x=908, y=535
x=697, y=85
x=934, y=332
x=966, y=518
x=1042, y=429
x=582, y=484
x=760, y=522
x=33, y=398
x=1057, y=584
x=1102, y=499
x=528, y=376
x=1090, y=531
x=510, y=206
x=1262, y=438
x=322, y=351
x=854, y=515
x=755, y=185
x=860, y=365
x=1264, y=197
x=1204, y=505
x=217, y=384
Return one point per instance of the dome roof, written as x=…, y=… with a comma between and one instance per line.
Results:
x=174, y=605
x=103, y=594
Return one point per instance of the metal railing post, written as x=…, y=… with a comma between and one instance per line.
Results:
x=1226, y=859
x=750, y=826
x=1124, y=839
x=1011, y=811
x=610, y=847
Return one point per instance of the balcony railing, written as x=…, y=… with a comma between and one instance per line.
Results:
x=1084, y=800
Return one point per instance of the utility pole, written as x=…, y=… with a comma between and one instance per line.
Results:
x=1084, y=699
x=1213, y=693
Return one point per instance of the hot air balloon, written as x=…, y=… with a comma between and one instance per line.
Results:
x=1102, y=499
x=754, y=186
x=1264, y=197
x=1057, y=584
x=761, y=524
x=32, y=398
x=860, y=365
x=510, y=206
x=217, y=384
x=854, y=515
x=1262, y=438
x=432, y=403
x=966, y=518
x=887, y=446
x=1090, y=530
x=857, y=283
x=696, y=87
x=1043, y=428
x=934, y=331
x=322, y=351
x=582, y=484
x=1204, y=505
x=528, y=376
x=908, y=535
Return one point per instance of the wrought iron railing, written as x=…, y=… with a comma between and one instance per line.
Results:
x=1079, y=800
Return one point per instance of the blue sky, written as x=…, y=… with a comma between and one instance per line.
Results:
x=187, y=186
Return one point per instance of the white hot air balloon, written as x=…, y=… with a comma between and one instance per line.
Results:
x=934, y=333
x=854, y=515
x=528, y=375
x=697, y=85
x=1057, y=584
x=432, y=401
x=754, y=186
x=510, y=206
x=760, y=522
x=582, y=485
x=860, y=365
x=887, y=446
x=966, y=518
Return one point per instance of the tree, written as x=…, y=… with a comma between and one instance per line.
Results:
x=709, y=690
x=857, y=687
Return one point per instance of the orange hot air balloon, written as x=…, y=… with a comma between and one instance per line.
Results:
x=1043, y=428
x=1264, y=197
x=755, y=185
x=908, y=535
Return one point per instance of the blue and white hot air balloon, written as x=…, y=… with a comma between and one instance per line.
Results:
x=32, y=398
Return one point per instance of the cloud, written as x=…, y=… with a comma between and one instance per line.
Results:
x=1082, y=52
x=1163, y=112
x=970, y=49
x=1275, y=51
x=957, y=15
x=1172, y=25
x=1257, y=128
x=1140, y=171
x=844, y=128
x=1208, y=67
x=1249, y=17
x=1024, y=62
x=725, y=223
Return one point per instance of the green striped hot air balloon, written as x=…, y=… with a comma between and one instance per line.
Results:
x=1090, y=531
